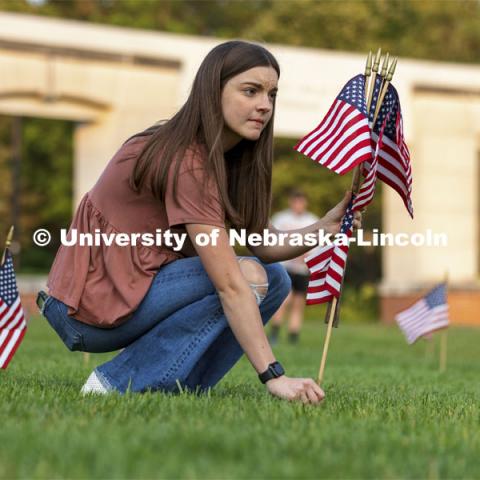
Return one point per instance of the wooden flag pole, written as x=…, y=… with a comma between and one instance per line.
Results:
x=368, y=74
x=384, y=71
x=333, y=304
x=8, y=242
x=383, y=76
x=327, y=341
x=429, y=349
x=387, y=81
x=86, y=358
x=371, y=88
x=368, y=68
x=443, y=351
x=443, y=341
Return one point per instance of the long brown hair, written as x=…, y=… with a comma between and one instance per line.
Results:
x=244, y=173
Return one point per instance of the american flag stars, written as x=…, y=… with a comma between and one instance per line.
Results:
x=354, y=94
x=8, y=285
x=12, y=319
x=342, y=140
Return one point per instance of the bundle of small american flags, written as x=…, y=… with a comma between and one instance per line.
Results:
x=347, y=137
x=427, y=315
x=12, y=319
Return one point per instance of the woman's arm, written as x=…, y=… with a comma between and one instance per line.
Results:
x=330, y=223
x=243, y=315
x=237, y=299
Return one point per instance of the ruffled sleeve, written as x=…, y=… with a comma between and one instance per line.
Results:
x=197, y=195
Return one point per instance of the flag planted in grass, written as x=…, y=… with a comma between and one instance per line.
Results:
x=12, y=319
x=352, y=136
x=425, y=316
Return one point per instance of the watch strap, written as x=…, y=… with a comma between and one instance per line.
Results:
x=274, y=370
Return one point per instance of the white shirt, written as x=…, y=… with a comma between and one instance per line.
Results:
x=288, y=220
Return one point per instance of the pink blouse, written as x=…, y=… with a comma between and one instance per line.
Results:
x=103, y=285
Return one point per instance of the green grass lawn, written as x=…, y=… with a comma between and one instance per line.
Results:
x=388, y=414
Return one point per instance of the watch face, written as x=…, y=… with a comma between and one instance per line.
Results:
x=277, y=369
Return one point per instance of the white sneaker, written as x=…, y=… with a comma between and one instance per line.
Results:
x=93, y=386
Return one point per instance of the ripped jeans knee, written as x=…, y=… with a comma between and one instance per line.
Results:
x=260, y=291
x=256, y=277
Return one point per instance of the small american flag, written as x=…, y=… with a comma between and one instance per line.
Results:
x=342, y=139
x=327, y=265
x=425, y=316
x=394, y=166
x=12, y=320
x=346, y=137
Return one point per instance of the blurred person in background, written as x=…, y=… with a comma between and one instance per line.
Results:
x=295, y=217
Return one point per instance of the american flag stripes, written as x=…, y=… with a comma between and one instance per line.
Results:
x=367, y=190
x=342, y=139
x=12, y=320
x=327, y=264
x=394, y=166
x=425, y=316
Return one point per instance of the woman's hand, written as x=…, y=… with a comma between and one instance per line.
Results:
x=300, y=389
x=333, y=219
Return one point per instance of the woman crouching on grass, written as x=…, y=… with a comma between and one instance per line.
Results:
x=184, y=318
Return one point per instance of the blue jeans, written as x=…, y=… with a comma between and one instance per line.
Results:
x=178, y=335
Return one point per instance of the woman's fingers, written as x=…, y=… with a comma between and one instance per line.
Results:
x=304, y=390
x=303, y=397
x=312, y=396
x=320, y=393
x=310, y=393
x=317, y=391
x=357, y=219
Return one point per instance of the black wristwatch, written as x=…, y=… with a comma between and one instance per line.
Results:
x=274, y=370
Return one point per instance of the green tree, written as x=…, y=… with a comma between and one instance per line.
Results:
x=45, y=185
x=441, y=30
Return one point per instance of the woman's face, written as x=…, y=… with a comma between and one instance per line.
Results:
x=247, y=104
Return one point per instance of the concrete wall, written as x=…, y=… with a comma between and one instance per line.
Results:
x=445, y=154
